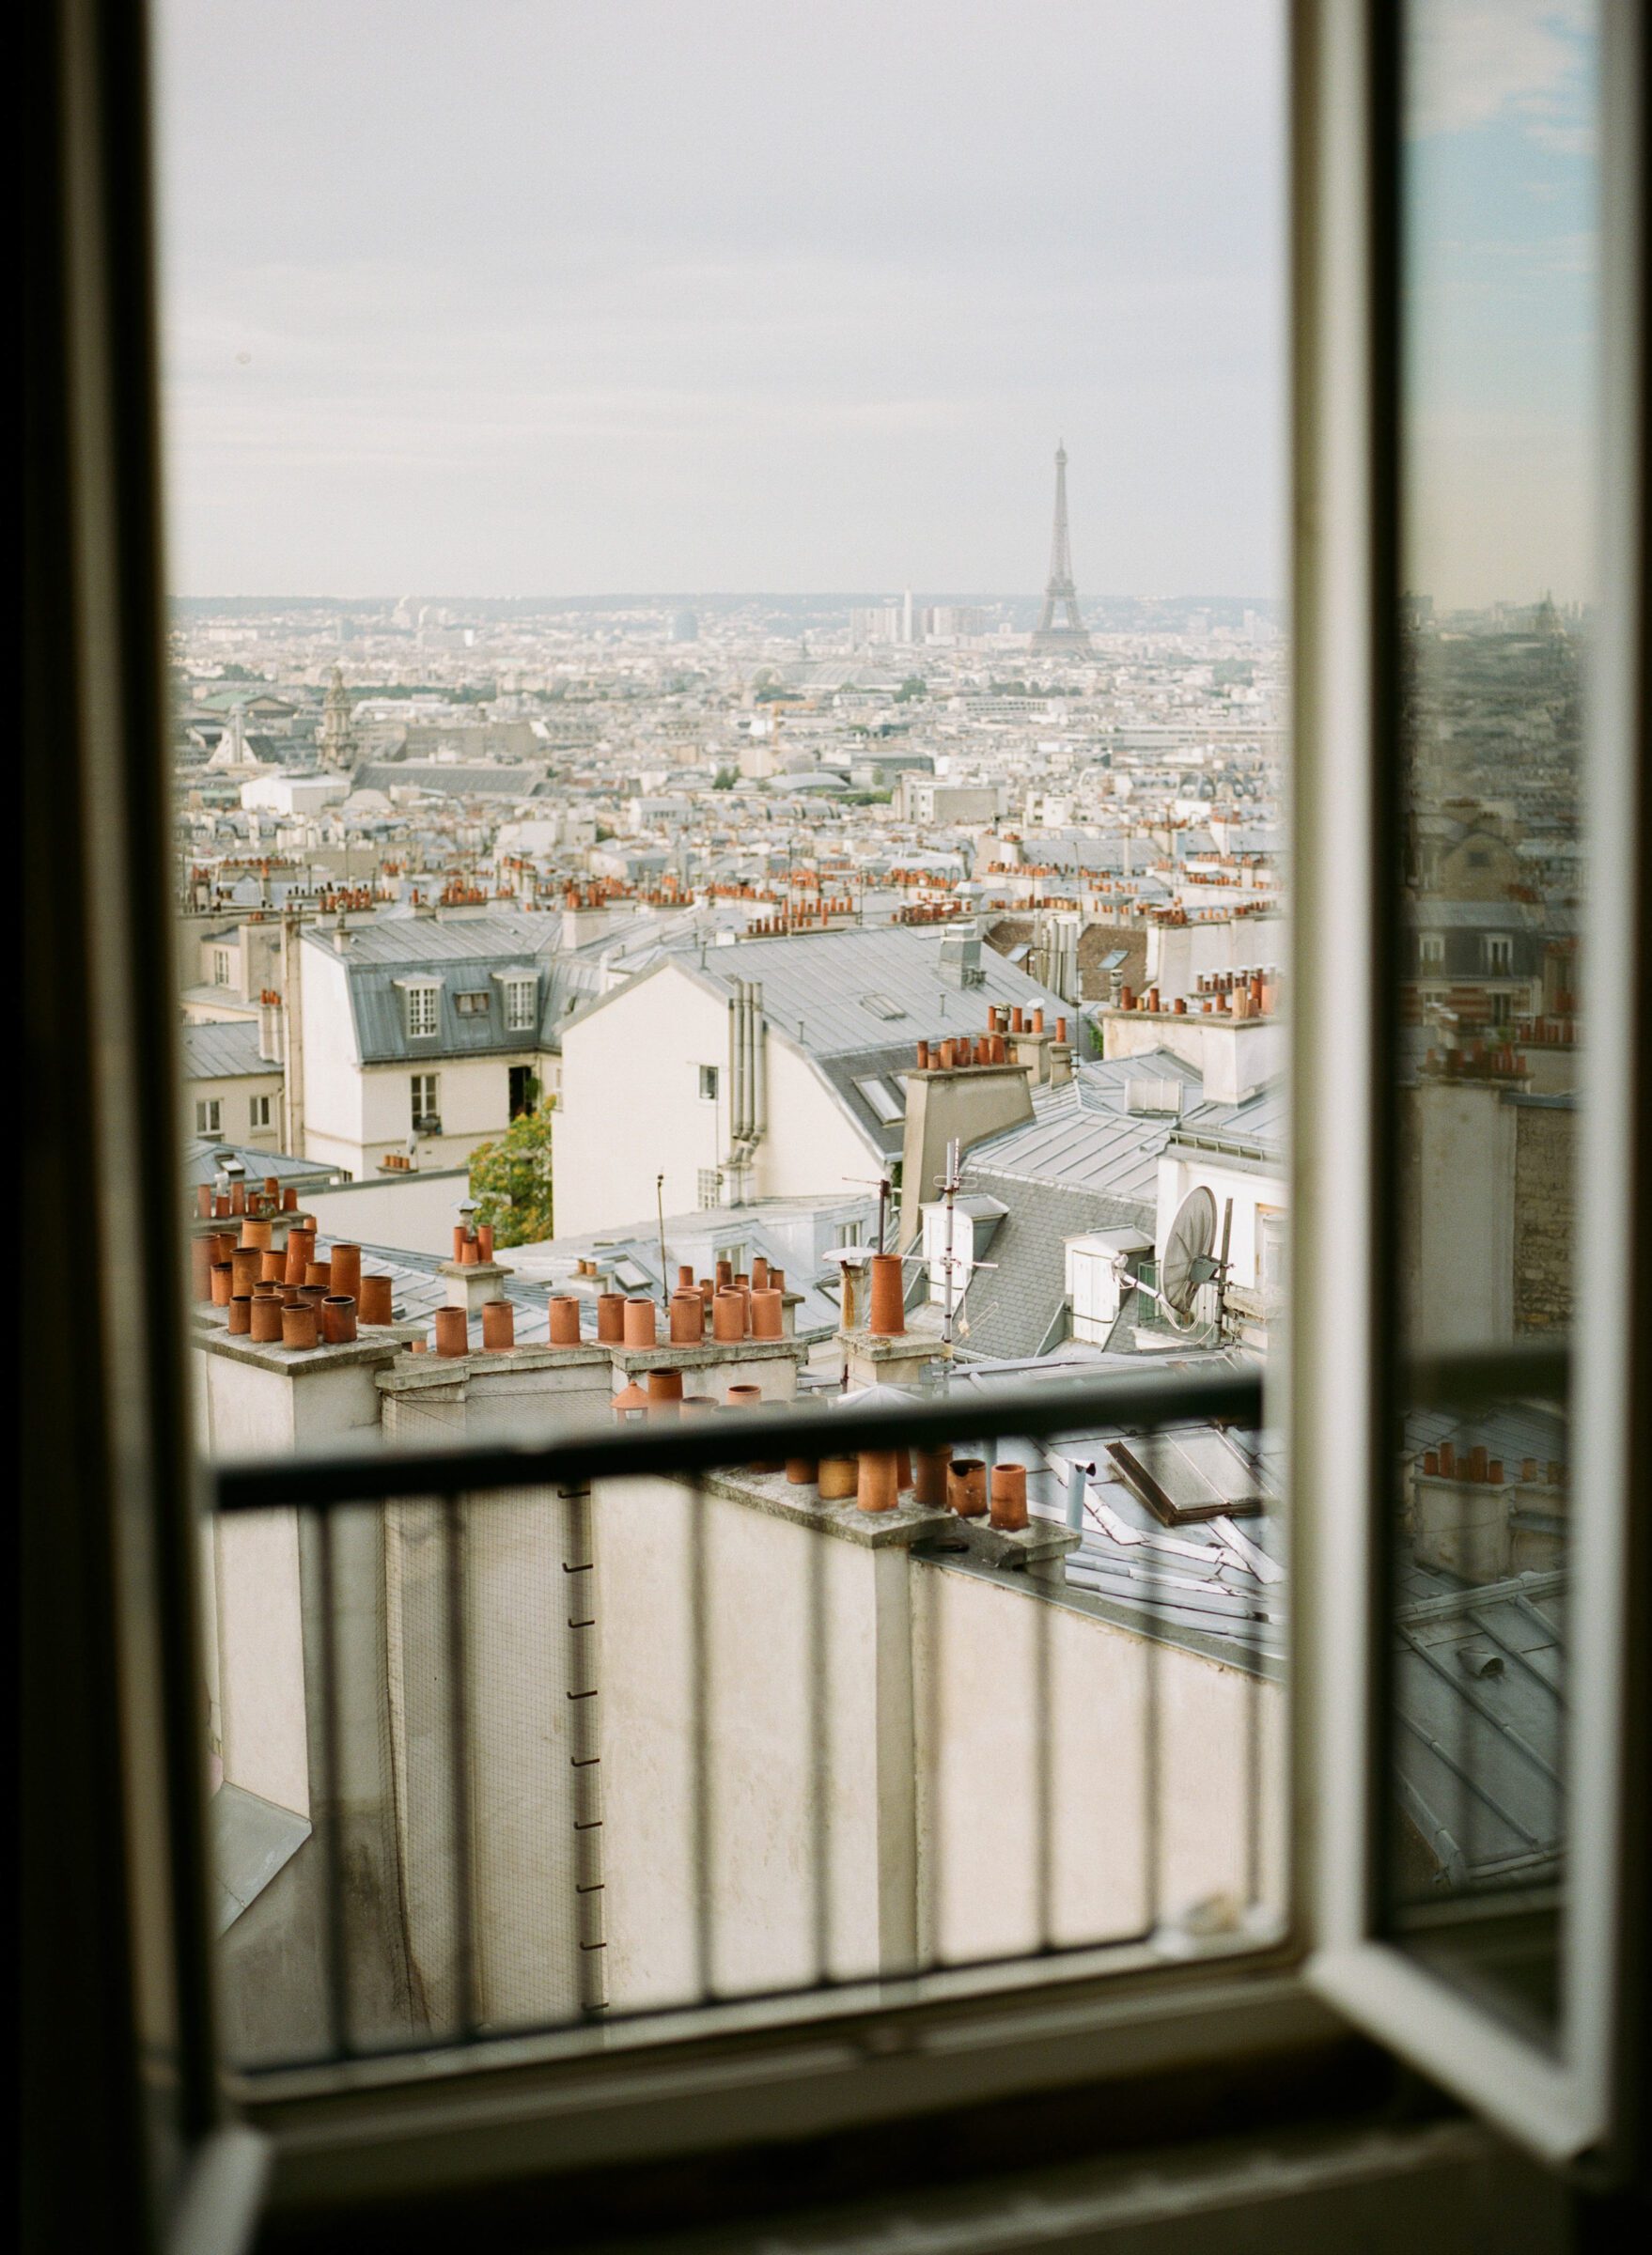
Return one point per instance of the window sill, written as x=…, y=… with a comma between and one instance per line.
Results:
x=440, y=2125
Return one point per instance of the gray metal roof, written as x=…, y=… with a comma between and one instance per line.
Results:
x=223, y=1049
x=464, y=953
x=832, y=992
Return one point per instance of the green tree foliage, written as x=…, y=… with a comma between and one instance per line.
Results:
x=725, y=779
x=510, y=1181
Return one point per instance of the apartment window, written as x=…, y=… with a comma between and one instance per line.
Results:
x=420, y=1002
x=260, y=1112
x=708, y=1187
x=886, y=1101
x=426, y=1106
x=708, y=1084
x=223, y=974
x=472, y=1003
x=846, y=1233
x=208, y=1116
x=1431, y=950
x=1496, y=952
x=521, y=996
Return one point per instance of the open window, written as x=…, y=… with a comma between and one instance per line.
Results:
x=1470, y=1310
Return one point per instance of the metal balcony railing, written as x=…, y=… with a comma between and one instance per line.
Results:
x=614, y=1702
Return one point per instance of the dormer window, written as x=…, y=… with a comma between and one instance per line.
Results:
x=521, y=999
x=421, y=1007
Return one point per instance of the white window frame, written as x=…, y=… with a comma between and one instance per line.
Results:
x=520, y=1005
x=209, y=1115
x=708, y=1083
x=432, y=1110
x=421, y=1002
x=1568, y=2101
x=258, y=1113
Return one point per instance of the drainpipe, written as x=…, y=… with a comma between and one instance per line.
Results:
x=292, y=1085
x=759, y=1067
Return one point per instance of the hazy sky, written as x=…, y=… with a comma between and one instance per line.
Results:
x=1502, y=343
x=564, y=296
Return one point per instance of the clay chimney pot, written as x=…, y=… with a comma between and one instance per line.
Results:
x=887, y=1318
x=453, y=1332
x=373, y=1301
x=639, y=1320
x=498, y=1327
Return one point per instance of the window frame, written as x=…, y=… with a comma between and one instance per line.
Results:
x=485, y=2119
x=1569, y=2107
x=210, y=1115
x=433, y=1081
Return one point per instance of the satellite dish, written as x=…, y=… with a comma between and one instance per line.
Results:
x=1187, y=1263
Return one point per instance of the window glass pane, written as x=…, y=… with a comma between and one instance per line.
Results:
x=1498, y=235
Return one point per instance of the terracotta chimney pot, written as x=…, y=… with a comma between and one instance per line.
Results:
x=929, y=1469
x=338, y=1318
x=1061, y=1030
x=200, y=1266
x=298, y=1327
x=802, y=1471
x=373, y=1301
x=725, y=1273
x=878, y=1484
x=1009, y=1498
x=631, y=1401
x=244, y=1265
x=254, y=1234
x=759, y=1274
x=728, y=1315
x=887, y=1319
x=1447, y=1461
x=319, y=1272
x=241, y=1312
x=743, y=1397
x=453, y=1332
x=923, y=1057
x=265, y=1321
x=346, y=1264
x=1017, y=1020
x=768, y=1309
x=966, y=1486
x=777, y=1282
x=484, y=1240
x=665, y=1392
x=838, y=1478
x=565, y=1319
x=498, y=1327
x=204, y=1201
x=1430, y=1464
x=238, y=1198
x=685, y=1278
x=272, y=1267
x=470, y=1254
x=640, y=1329
x=1528, y=1468
x=687, y=1317
x=290, y=1202
x=300, y=1244
x=611, y=1318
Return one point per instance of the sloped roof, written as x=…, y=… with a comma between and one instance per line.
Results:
x=839, y=993
x=223, y=1049
x=463, y=951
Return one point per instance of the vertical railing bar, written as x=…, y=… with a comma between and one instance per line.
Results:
x=932, y=1854
x=699, y=1777
x=1468, y=1804
x=333, y=1798
x=820, y=1756
x=1045, y=1712
x=1253, y=1636
x=1151, y=1735
x=459, y=1764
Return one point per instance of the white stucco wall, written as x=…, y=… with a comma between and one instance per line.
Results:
x=630, y=1110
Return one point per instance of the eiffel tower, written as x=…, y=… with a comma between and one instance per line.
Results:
x=1074, y=636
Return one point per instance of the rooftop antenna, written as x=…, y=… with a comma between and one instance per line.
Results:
x=659, y=1213
x=1187, y=1263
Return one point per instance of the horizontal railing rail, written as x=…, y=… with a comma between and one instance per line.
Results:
x=1052, y=1409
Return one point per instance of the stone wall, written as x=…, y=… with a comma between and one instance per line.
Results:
x=1545, y=1249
